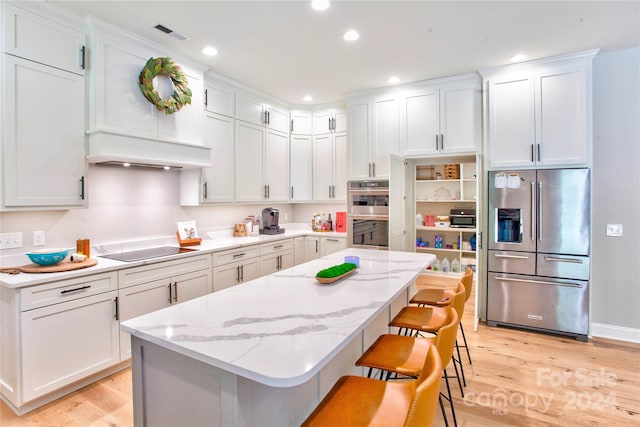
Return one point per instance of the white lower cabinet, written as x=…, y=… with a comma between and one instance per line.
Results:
x=329, y=245
x=56, y=334
x=234, y=266
x=299, y=250
x=312, y=247
x=275, y=256
x=152, y=287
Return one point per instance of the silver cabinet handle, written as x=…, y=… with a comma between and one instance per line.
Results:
x=239, y=255
x=533, y=159
x=571, y=260
x=374, y=169
x=170, y=293
x=316, y=246
x=333, y=240
x=268, y=191
x=539, y=158
x=206, y=97
x=292, y=191
x=116, y=315
x=441, y=141
x=510, y=256
x=278, y=247
x=82, y=188
x=539, y=282
x=175, y=291
x=291, y=125
x=242, y=273
x=436, y=142
x=369, y=169
x=83, y=57
x=205, y=190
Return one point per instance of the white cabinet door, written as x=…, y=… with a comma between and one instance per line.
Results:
x=276, y=166
x=191, y=285
x=225, y=276
x=339, y=120
x=511, y=121
x=298, y=250
x=340, y=167
x=40, y=39
x=386, y=134
x=137, y=300
x=358, y=157
x=460, y=118
x=312, y=244
x=323, y=164
x=301, y=168
x=219, y=99
x=277, y=119
x=329, y=245
x=249, y=109
x=322, y=122
x=43, y=145
x=66, y=342
x=218, y=182
x=562, y=111
x=249, y=160
x=301, y=123
x=421, y=121
x=273, y=263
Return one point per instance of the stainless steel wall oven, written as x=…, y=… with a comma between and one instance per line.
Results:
x=368, y=214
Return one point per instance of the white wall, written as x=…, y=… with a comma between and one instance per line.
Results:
x=125, y=205
x=615, y=292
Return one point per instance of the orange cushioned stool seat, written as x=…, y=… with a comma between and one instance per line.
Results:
x=356, y=401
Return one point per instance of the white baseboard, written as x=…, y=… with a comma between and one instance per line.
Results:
x=613, y=332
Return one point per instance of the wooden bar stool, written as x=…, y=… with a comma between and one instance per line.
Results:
x=405, y=356
x=356, y=401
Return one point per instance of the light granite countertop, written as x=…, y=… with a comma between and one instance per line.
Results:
x=281, y=329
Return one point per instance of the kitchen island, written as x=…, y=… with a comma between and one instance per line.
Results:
x=266, y=351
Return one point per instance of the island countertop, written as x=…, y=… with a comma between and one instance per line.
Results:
x=281, y=329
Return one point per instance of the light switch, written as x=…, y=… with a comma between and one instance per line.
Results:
x=614, y=229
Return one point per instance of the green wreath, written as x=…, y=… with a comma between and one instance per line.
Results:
x=167, y=67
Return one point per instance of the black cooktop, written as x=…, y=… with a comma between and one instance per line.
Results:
x=147, y=253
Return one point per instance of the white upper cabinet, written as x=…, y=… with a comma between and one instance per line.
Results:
x=43, y=147
x=330, y=167
x=41, y=39
x=329, y=120
x=276, y=165
x=373, y=135
x=219, y=99
x=539, y=113
x=251, y=109
x=443, y=117
x=301, y=123
x=301, y=152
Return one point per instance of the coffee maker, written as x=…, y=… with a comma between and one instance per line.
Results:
x=270, y=218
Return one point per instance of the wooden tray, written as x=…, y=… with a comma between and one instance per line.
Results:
x=65, y=265
x=329, y=280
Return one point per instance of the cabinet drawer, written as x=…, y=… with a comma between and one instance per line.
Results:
x=146, y=273
x=67, y=290
x=569, y=267
x=234, y=255
x=279, y=246
x=512, y=262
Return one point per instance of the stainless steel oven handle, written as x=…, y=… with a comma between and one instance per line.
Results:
x=539, y=282
x=571, y=260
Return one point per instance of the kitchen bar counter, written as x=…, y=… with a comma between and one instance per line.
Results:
x=266, y=351
x=220, y=241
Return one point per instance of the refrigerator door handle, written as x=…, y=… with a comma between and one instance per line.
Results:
x=533, y=209
x=572, y=260
x=539, y=282
x=510, y=256
x=539, y=210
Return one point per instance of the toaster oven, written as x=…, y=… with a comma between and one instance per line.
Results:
x=462, y=218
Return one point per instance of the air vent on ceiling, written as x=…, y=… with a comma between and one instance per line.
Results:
x=170, y=32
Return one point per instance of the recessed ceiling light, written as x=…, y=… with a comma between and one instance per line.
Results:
x=210, y=51
x=394, y=80
x=519, y=57
x=320, y=4
x=351, y=35
x=307, y=98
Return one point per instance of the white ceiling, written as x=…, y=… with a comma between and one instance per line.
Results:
x=288, y=50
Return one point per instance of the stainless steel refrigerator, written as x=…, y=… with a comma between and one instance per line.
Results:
x=538, y=254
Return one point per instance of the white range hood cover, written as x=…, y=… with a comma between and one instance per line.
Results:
x=106, y=147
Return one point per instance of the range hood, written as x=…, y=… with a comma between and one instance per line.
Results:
x=112, y=148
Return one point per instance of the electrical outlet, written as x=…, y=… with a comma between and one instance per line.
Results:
x=38, y=238
x=10, y=240
x=614, y=230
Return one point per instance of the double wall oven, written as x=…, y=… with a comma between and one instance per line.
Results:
x=368, y=214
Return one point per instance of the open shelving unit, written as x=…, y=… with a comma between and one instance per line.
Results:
x=438, y=188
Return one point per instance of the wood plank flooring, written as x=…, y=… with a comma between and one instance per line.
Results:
x=517, y=378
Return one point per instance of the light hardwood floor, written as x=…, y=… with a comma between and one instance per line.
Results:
x=517, y=378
